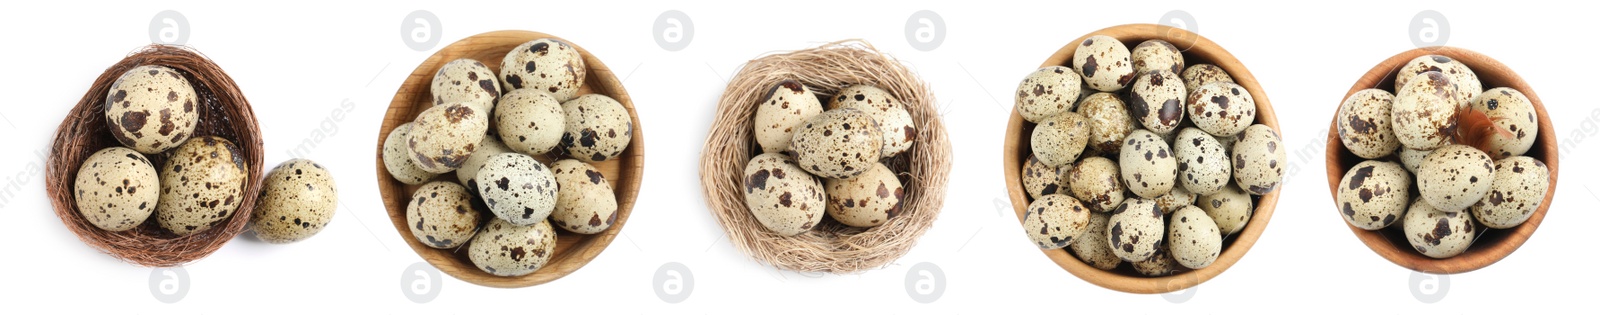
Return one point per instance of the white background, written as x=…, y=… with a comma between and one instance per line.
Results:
x=298, y=61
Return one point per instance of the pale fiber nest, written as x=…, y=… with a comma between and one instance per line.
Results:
x=831, y=246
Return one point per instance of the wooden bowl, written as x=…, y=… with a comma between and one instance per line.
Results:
x=1124, y=278
x=573, y=250
x=1491, y=244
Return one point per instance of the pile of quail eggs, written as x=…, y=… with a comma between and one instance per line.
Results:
x=1458, y=186
x=152, y=111
x=1138, y=158
x=820, y=160
x=520, y=144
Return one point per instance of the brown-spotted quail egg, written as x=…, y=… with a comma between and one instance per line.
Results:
x=1059, y=140
x=510, y=250
x=116, y=189
x=467, y=175
x=1518, y=189
x=466, y=81
x=1438, y=234
x=585, y=203
x=297, y=200
x=598, y=128
x=1159, y=264
x=1231, y=208
x=866, y=200
x=1040, y=180
x=1258, y=162
x=1104, y=62
x=1109, y=121
x=1148, y=165
x=1424, y=111
x=1155, y=54
x=1364, y=124
x=1374, y=194
x=1454, y=177
x=1465, y=80
x=1203, y=166
x=1173, y=200
x=547, y=65
x=1055, y=221
x=151, y=109
x=838, y=143
x=1092, y=247
x=1047, y=92
x=1222, y=108
x=1412, y=158
x=517, y=188
x=788, y=105
x=1097, y=181
x=1136, y=229
x=783, y=197
x=894, y=122
x=397, y=157
x=530, y=122
x=1156, y=101
x=1192, y=238
x=1199, y=75
x=444, y=136
x=441, y=215
x=1513, y=112
x=202, y=183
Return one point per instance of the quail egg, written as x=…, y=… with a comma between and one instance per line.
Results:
x=445, y=135
x=1136, y=229
x=1454, y=177
x=1159, y=264
x=1155, y=54
x=441, y=215
x=1438, y=234
x=1424, y=111
x=1258, y=163
x=1157, y=101
x=839, y=143
x=1173, y=200
x=1148, y=166
x=517, y=188
x=1193, y=239
x=788, y=105
x=1364, y=124
x=202, y=183
x=510, y=250
x=1222, y=108
x=1517, y=191
x=297, y=200
x=1109, y=121
x=866, y=200
x=1047, y=92
x=1060, y=139
x=116, y=189
x=1203, y=166
x=585, y=203
x=547, y=65
x=783, y=197
x=151, y=109
x=1104, y=63
x=1092, y=247
x=1374, y=194
x=1055, y=221
x=530, y=122
x=1513, y=112
x=1199, y=75
x=1412, y=158
x=466, y=81
x=1040, y=180
x=1465, y=80
x=894, y=122
x=467, y=175
x=1097, y=182
x=1231, y=208
x=397, y=157
x=598, y=128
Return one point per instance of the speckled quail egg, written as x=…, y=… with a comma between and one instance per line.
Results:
x=1364, y=124
x=787, y=105
x=510, y=250
x=530, y=122
x=585, y=203
x=838, y=143
x=1513, y=112
x=1374, y=194
x=1199, y=75
x=1047, y=92
x=1518, y=189
x=1136, y=229
x=202, y=183
x=151, y=109
x=598, y=128
x=397, y=157
x=866, y=200
x=1203, y=166
x=544, y=64
x=1412, y=158
x=894, y=122
x=1040, y=180
x=1424, y=111
x=1222, y=108
x=1231, y=208
x=444, y=136
x=1092, y=247
x=1157, y=54
x=1192, y=238
x=441, y=215
x=1258, y=163
x=1159, y=264
x=1104, y=62
x=1465, y=80
x=1173, y=200
x=1097, y=181
x=517, y=188
x=1454, y=177
x=1059, y=140
x=1148, y=165
x=1156, y=101
x=297, y=200
x=466, y=81
x=783, y=197
x=1109, y=121
x=1438, y=234
x=467, y=175
x=1055, y=221
x=116, y=189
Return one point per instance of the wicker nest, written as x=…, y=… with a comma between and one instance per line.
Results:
x=831, y=246
x=224, y=112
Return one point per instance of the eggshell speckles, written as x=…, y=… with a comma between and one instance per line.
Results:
x=783, y=197
x=839, y=143
x=1518, y=189
x=1454, y=177
x=1092, y=247
x=1055, y=221
x=1424, y=112
x=1365, y=124
x=1412, y=158
x=151, y=109
x=202, y=183
x=1148, y=165
x=598, y=128
x=1513, y=112
x=894, y=122
x=547, y=65
x=1097, y=182
x=1222, y=108
x=1231, y=208
x=867, y=200
x=397, y=157
x=1157, y=54
x=1464, y=79
x=517, y=188
x=441, y=215
x=1136, y=229
x=1374, y=194
x=788, y=105
x=297, y=200
x=508, y=250
x=444, y=136
x=1159, y=264
x=1047, y=92
x=1104, y=63
x=1060, y=139
x=116, y=189
x=1040, y=180
x=1193, y=239
x=1157, y=99
x=1173, y=200
x=467, y=175
x=1109, y=121
x=1259, y=160
x=1199, y=75
x=1438, y=234
x=530, y=122
x=466, y=81
x=585, y=203
x=1203, y=165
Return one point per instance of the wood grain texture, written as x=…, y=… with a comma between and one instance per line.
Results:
x=573, y=250
x=1196, y=50
x=1490, y=245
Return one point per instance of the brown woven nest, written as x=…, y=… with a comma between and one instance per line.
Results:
x=831, y=246
x=224, y=112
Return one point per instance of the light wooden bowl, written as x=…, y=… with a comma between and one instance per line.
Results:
x=1123, y=278
x=573, y=250
x=1491, y=244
